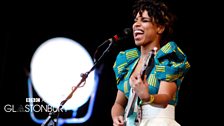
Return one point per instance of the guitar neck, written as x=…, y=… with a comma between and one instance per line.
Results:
x=131, y=104
x=133, y=96
x=132, y=100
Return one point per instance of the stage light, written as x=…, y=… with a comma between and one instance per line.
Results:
x=56, y=67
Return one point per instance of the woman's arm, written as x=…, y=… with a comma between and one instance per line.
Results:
x=118, y=109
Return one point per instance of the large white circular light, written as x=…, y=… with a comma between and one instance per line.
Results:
x=55, y=69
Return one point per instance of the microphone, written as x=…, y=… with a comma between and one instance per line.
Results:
x=118, y=37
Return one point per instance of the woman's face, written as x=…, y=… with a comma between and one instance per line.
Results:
x=144, y=30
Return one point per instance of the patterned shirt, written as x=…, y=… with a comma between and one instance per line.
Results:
x=170, y=65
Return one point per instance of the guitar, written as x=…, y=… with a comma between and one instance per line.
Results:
x=130, y=116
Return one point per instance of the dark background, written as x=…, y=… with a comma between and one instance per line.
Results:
x=26, y=26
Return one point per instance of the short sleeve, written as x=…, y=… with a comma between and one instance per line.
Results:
x=170, y=62
x=123, y=60
x=122, y=63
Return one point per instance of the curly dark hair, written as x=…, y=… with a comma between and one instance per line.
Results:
x=159, y=13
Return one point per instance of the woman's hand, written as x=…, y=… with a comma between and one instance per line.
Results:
x=118, y=121
x=140, y=86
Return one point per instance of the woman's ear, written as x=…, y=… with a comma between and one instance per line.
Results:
x=160, y=29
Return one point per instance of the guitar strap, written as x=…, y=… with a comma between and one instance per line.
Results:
x=149, y=68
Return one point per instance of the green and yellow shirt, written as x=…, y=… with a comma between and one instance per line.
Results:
x=170, y=65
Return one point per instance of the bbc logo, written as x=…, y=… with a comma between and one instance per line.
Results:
x=32, y=99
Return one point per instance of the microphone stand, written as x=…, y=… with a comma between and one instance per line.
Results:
x=52, y=119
